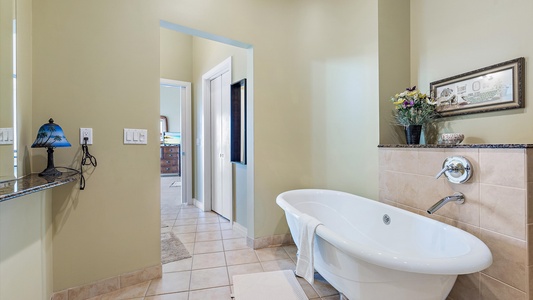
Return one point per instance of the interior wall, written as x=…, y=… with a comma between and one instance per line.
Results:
x=97, y=64
x=176, y=55
x=443, y=49
x=170, y=107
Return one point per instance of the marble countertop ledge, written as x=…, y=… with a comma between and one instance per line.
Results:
x=33, y=183
x=490, y=146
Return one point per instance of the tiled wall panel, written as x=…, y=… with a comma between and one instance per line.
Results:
x=497, y=209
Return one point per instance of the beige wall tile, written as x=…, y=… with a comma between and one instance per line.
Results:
x=492, y=289
x=529, y=241
x=529, y=202
x=466, y=287
x=405, y=188
x=430, y=161
x=503, y=210
x=431, y=192
x=504, y=167
x=401, y=160
x=509, y=259
x=529, y=164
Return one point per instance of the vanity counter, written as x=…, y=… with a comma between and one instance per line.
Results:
x=484, y=146
x=33, y=183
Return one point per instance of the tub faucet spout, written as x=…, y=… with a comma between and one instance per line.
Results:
x=457, y=197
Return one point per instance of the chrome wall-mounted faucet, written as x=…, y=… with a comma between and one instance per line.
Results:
x=457, y=197
x=457, y=169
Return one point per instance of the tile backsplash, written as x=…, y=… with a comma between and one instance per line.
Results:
x=496, y=209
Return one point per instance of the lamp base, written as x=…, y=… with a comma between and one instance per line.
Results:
x=50, y=168
x=50, y=172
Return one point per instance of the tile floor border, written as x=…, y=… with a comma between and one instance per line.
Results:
x=108, y=285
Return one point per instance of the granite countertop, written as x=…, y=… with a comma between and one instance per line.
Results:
x=500, y=146
x=33, y=183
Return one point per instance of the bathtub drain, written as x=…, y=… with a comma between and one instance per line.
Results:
x=386, y=219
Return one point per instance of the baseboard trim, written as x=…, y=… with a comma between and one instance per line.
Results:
x=109, y=285
x=270, y=241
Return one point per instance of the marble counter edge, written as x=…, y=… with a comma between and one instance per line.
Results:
x=32, y=183
x=485, y=146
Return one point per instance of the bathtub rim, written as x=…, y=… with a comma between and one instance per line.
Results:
x=477, y=259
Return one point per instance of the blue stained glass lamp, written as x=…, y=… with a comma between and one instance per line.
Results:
x=50, y=136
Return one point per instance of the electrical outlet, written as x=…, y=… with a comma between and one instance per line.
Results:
x=86, y=133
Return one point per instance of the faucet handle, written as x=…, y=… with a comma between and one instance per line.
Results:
x=446, y=168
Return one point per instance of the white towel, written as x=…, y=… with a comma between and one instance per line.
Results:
x=306, y=243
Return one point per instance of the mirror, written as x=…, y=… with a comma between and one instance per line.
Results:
x=7, y=87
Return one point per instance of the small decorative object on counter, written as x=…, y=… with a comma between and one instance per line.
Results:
x=451, y=138
x=413, y=109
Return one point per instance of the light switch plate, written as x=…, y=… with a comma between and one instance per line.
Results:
x=135, y=136
x=6, y=136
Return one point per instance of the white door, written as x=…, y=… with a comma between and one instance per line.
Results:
x=222, y=195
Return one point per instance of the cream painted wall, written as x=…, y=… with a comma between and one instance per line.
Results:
x=26, y=247
x=315, y=87
x=176, y=55
x=394, y=64
x=444, y=49
x=96, y=64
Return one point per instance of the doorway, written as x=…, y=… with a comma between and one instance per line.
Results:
x=175, y=139
x=218, y=175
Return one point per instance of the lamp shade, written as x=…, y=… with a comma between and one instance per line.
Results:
x=50, y=135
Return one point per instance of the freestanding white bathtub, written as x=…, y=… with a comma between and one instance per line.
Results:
x=410, y=258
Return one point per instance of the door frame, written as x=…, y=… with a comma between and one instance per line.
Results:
x=223, y=67
x=186, y=137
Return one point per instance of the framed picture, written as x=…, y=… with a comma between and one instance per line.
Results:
x=496, y=87
x=238, y=122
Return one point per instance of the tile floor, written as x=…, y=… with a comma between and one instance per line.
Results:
x=217, y=253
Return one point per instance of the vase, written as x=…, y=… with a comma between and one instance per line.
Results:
x=412, y=134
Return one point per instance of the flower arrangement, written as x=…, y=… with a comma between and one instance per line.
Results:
x=413, y=107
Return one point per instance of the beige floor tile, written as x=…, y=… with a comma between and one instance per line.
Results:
x=308, y=289
x=189, y=247
x=273, y=253
x=277, y=265
x=206, y=214
x=207, y=247
x=184, y=229
x=178, y=266
x=225, y=226
x=187, y=215
x=170, y=283
x=235, y=244
x=220, y=293
x=208, y=220
x=166, y=229
x=181, y=222
x=209, y=278
x=322, y=287
x=208, y=236
x=208, y=260
x=231, y=234
x=186, y=237
x=174, y=296
x=239, y=257
x=208, y=227
x=243, y=269
x=291, y=251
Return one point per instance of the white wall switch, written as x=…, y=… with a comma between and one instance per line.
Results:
x=6, y=136
x=135, y=136
x=86, y=133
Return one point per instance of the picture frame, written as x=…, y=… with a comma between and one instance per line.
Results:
x=493, y=88
x=238, y=122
